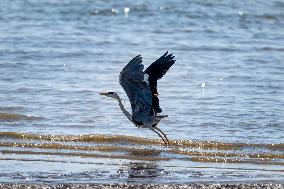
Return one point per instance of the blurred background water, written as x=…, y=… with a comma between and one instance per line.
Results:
x=227, y=84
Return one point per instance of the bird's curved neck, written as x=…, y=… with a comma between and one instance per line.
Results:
x=128, y=115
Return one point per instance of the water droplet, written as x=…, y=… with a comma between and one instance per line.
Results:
x=203, y=84
x=96, y=11
x=240, y=13
x=126, y=10
x=115, y=11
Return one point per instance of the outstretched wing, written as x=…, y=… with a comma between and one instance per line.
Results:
x=137, y=90
x=156, y=71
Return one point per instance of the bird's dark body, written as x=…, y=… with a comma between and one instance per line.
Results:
x=140, y=123
x=137, y=122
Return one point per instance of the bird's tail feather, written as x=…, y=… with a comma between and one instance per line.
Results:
x=159, y=117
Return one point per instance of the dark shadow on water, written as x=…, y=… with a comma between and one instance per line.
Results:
x=143, y=170
x=144, y=152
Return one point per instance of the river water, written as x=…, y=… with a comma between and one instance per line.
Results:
x=224, y=95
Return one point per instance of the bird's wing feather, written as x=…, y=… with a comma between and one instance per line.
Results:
x=156, y=71
x=137, y=90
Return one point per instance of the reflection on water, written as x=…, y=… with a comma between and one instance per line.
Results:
x=139, y=170
x=144, y=152
x=143, y=170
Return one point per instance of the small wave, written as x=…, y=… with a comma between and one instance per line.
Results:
x=121, y=139
x=9, y=117
x=111, y=11
x=225, y=160
x=272, y=49
x=10, y=108
x=137, y=151
x=146, y=158
x=137, y=148
x=87, y=155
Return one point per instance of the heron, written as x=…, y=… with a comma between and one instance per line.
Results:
x=141, y=89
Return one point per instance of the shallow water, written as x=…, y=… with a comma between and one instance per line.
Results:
x=224, y=96
x=99, y=158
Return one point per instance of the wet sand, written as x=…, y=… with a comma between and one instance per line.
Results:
x=148, y=186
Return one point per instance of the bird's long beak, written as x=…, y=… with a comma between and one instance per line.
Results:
x=105, y=94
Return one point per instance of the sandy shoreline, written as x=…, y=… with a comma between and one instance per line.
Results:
x=148, y=186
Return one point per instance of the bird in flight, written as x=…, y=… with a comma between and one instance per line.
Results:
x=141, y=89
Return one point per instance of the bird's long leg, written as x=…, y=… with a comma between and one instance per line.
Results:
x=158, y=134
x=163, y=134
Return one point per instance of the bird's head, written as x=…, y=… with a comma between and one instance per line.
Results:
x=110, y=94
